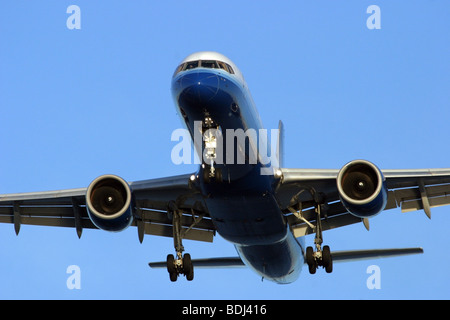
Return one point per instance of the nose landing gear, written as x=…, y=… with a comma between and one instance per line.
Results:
x=212, y=145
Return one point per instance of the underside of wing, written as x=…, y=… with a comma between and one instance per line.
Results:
x=296, y=197
x=300, y=191
x=418, y=189
x=151, y=205
x=64, y=208
x=156, y=199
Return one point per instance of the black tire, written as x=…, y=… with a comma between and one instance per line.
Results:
x=310, y=260
x=327, y=259
x=188, y=267
x=171, y=268
x=190, y=275
x=171, y=263
x=173, y=276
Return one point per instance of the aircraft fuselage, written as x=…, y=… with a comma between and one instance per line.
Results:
x=241, y=200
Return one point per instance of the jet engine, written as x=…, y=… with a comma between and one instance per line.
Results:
x=362, y=188
x=109, y=203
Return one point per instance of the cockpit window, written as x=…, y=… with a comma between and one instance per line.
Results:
x=230, y=69
x=222, y=65
x=210, y=64
x=191, y=65
x=180, y=68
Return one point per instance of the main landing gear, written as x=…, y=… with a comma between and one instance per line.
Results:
x=182, y=264
x=322, y=256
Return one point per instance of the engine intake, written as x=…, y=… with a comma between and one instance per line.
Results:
x=109, y=203
x=362, y=188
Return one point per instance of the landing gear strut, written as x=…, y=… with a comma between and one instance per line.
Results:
x=183, y=263
x=321, y=257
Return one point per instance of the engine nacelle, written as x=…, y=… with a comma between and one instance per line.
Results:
x=362, y=188
x=109, y=203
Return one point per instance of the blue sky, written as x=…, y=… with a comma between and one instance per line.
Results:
x=76, y=104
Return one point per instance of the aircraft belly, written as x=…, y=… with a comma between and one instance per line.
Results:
x=280, y=262
x=247, y=218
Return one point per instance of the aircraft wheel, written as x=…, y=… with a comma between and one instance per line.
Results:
x=327, y=259
x=171, y=268
x=188, y=267
x=310, y=260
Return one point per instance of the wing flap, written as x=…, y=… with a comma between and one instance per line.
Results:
x=303, y=229
x=58, y=212
x=48, y=208
x=414, y=205
x=195, y=226
x=410, y=199
x=167, y=231
x=49, y=222
x=156, y=223
x=161, y=217
x=337, y=216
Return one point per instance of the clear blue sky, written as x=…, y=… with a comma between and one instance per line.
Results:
x=76, y=104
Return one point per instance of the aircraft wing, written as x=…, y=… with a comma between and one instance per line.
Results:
x=408, y=189
x=67, y=208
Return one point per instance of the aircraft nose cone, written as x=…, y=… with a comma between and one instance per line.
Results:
x=200, y=86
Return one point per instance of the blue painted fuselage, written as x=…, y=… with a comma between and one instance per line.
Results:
x=242, y=204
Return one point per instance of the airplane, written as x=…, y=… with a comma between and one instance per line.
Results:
x=262, y=208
